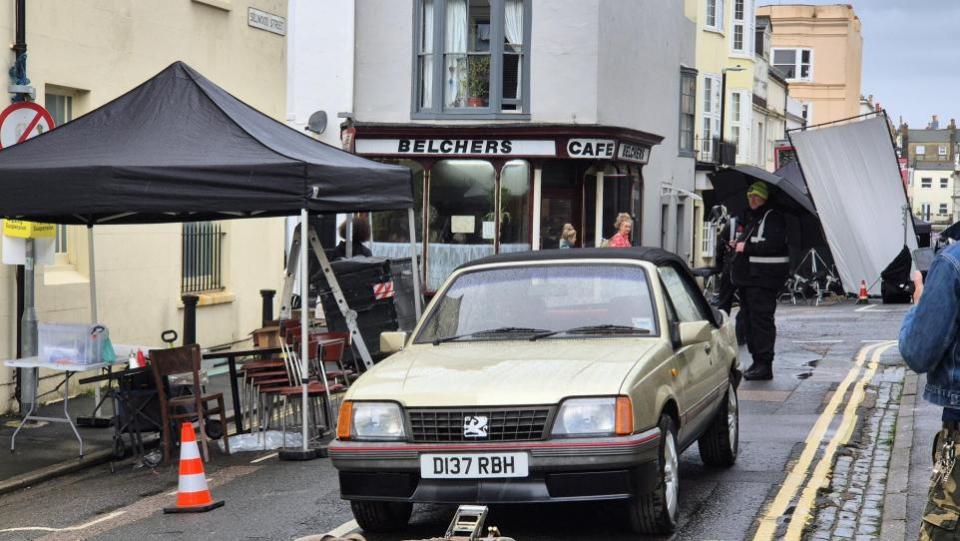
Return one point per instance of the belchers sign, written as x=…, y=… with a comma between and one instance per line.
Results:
x=456, y=147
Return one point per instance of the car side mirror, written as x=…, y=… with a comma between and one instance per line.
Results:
x=392, y=341
x=694, y=332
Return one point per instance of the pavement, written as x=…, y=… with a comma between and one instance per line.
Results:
x=836, y=446
x=45, y=450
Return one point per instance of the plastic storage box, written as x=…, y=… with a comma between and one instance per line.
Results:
x=71, y=343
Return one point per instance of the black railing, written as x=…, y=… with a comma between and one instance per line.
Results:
x=202, y=257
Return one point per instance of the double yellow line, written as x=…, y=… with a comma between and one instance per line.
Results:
x=795, y=479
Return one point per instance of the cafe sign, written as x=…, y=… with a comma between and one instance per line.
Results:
x=456, y=147
x=593, y=149
x=630, y=152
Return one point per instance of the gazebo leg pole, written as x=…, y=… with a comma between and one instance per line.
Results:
x=304, y=453
x=95, y=420
x=413, y=262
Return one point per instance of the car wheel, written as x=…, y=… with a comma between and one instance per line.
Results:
x=720, y=443
x=657, y=511
x=381, y=517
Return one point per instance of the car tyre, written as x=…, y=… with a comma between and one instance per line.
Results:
x=381, y=517
x=657, y=511
x=720, y=443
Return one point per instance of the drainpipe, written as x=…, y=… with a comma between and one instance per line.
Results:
x=26, y=317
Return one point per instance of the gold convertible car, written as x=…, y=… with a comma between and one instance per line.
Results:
x=549, y=376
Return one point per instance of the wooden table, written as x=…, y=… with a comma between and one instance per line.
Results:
x=231, y=356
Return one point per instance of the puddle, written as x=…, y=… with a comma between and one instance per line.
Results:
x=812, y=364
x=803, y=375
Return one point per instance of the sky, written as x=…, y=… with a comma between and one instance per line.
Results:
x=910, y=50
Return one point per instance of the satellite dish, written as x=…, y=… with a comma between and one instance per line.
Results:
x=317, y=122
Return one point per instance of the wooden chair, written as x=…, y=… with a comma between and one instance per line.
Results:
x=182, y=360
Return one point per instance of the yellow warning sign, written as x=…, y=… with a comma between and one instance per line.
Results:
x=28, y=230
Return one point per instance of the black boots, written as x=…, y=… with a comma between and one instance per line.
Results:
x=758, y=371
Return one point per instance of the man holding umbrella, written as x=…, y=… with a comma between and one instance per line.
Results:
x=760, y=267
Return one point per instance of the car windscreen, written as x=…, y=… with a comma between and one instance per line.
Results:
x=550, y=300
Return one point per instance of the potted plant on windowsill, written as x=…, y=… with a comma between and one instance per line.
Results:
x=478, y=81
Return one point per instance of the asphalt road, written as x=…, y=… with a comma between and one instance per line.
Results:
x=268, y=499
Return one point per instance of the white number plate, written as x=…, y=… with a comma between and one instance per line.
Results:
x=474, y=466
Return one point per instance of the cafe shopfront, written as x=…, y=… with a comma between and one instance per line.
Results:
x=503, y=188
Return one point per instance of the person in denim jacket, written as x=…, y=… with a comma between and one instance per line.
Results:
x=929, y=339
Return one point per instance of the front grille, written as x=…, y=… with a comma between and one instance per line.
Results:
x=503, y=424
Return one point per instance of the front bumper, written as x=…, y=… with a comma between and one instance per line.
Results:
x=560, y=470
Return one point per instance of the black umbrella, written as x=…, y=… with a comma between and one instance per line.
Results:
x=788, y=192
x=730, y=189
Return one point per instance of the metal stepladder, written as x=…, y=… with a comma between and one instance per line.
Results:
x=349, y=315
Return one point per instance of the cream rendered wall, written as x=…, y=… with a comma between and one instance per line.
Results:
x=934, y=196
x=103, y=48
x=833, y=32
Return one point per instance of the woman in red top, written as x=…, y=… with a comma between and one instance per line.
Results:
x=621, y=239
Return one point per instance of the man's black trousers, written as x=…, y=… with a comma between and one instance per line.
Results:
x=757, y=305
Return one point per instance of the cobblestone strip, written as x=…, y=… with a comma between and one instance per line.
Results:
x=851, y=507
x=895, y=502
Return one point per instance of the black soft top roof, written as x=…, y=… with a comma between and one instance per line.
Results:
x=656, y=256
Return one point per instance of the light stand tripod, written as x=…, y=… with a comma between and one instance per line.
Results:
x=814, y=257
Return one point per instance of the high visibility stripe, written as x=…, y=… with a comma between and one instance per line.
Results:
x=769, y=260
x=196, y=482
x=188, y=450
x=191, y=466
x=191, y=499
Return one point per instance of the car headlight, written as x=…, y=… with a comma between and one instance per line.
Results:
x=605, y=416
x=370, y=421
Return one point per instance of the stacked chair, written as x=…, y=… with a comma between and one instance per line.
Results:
x=273, y=387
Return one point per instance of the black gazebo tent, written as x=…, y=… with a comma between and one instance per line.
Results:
x=179, y=148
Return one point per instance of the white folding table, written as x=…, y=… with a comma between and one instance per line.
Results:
x=69, y=369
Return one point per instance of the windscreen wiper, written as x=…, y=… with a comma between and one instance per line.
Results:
x=492, y=332
x=605, y=328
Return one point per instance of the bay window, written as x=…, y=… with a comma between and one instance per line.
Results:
x=472, y=58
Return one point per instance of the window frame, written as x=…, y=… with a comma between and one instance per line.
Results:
x=706, y=150
x=741, y=120
x=61, y=236
x=718, y=16
x=747, y=25
x=944, y=183
x=943, y=210
x=686, y=72
x=920, y=150
x=942, y=150
x=494, y=109
x=797, y=63
x=926, y=182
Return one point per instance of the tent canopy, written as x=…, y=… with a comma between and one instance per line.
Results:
x=179, y=148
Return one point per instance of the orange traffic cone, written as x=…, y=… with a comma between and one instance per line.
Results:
x=862, y=298
x=193, y=496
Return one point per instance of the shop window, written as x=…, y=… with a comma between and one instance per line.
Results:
x=460, y=216
x=390, y=230
x=560, y=203
x=515, y=206
x=471, y=57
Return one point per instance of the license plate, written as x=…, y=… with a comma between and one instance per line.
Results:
x=474, y=466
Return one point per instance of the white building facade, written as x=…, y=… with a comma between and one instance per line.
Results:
x=517, y=117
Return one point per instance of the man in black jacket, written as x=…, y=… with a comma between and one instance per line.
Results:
x=760, y=268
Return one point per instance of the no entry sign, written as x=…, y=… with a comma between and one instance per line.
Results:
x=21, y=121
